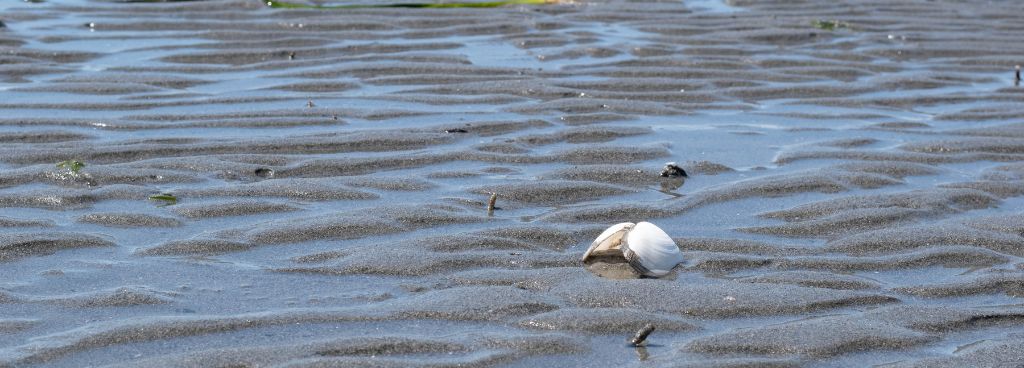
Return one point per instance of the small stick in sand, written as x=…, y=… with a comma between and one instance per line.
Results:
x=642, y=334
x=490, y=204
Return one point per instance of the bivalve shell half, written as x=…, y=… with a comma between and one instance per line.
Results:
x=647, y=248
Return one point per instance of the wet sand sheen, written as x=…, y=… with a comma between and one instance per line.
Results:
x=853, y=198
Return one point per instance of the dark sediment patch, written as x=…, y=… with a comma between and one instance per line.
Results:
x=388, y=183
x=550, y=193
x=595, y=105
x=318, y=189
x=1011, y=284
x=1001, y=189
x=900, y=125
x=501, y=147
x=456, y=100
x=349, y=142
x=241, y=167
x=742, y=363
x=356, y=224
x=92, y=88
x=194, y=247
x=850, y=221
x=706, y=168
x=376, y=70
x=906, y=238
x=985, y=145
x=360, y=166
x=610, y=154
x=986, y=353
x=946, y=256
x=542, y=236
x=462, y=243
x=460, y=304
x=243, y=57
x=599, y=134
x=814, y=338
x=1010, y=172
x=120, y=174
x=488, y=303
x=918, y=157
x=319, y=227
x=608, y=213
x=493, y=128
x=1007, y=223
x=320, y=87
x=771, y=93
x=13, y=325
x=849, y=142
x=895, y=169
x=381, y=351
x=814, y=279
x=119, y=297
x=453, y=174
x=740, y=246
x=613, y=174
x=19, y=245
x=412, y=260
x=933, y=200
x=714, y=299
x=593, y=118
x=17, y=222
x=71, y=199
x=42, y=137
x=128, y=219
x=230, y=208
x=537, y=280
x=891, y=327
x=156, y=80
x=603, y=321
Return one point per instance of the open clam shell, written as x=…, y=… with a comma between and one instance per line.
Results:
x=647, y=248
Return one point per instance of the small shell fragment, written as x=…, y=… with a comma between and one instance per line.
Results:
x=647, y=248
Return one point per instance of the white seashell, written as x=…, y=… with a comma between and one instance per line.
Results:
x=647, y=248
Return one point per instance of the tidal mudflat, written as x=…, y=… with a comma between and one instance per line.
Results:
x=221, y=183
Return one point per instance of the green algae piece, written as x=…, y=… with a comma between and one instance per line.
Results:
x=168, y=199
x=73, y=165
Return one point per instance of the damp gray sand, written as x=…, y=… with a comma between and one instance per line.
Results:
x=309, y=187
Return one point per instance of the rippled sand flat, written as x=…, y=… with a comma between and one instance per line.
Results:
x=308, y=187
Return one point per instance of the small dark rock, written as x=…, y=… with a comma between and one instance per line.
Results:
x=456, y=130
x=264, y=172
x=672, y=170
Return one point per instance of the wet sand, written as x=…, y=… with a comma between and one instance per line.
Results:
x=854, y=194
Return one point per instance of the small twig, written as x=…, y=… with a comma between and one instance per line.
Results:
x=490, y=204
x=642, y=334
